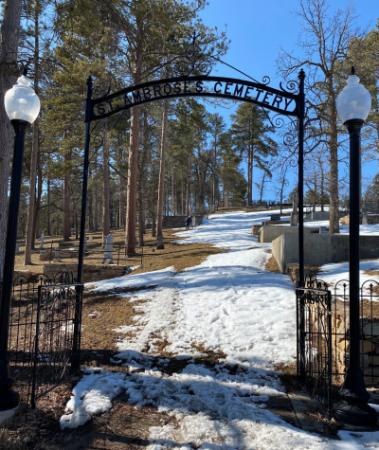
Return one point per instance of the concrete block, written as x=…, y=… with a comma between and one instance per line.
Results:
x=320, y=249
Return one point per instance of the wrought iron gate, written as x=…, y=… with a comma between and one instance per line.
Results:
x=314, y=339
x=323, y=336
x=44, y=335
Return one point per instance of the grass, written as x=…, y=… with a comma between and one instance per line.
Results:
x=125, y=426
x=148, y=258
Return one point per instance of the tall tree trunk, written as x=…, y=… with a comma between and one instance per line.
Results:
x=333, y=178
x=145, y=157
x=141, y=219
x=250, y=176
x=182, y=205
x=130, y=238
x=322, y=185
x=32, y=195
x=98, y=207
x=188, y=186
x=90, y=200
x=262, y=187
x=10, y=30
x=35, y=147
x=37, y=209
x=160, y=201
x=106, y=187
x=214, y=176
x=174, y=207
x=121, y=191
x=67, y=198
x=283, y=182
x=48, y=212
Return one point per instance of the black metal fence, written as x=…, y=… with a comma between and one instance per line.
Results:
x=323, y=336
x=44, y=333
x=314, y=340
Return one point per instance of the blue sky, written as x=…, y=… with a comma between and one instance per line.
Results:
x=259, y=30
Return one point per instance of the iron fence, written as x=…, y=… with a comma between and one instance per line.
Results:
x=315, y=352
x=323, y=336
x=44, y=333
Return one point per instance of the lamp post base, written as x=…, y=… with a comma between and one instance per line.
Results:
x=355, y=413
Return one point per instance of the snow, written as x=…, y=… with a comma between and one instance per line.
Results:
x=229, y=304
x=364, y=230
x=332, y=273
x=149, y=279
x=92, y=395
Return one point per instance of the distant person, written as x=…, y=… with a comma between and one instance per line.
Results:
x=189, y=222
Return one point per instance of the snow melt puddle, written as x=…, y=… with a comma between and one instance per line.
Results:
x=228, y=304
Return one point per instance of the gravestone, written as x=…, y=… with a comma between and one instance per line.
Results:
x=108, y=250
x=41, y=241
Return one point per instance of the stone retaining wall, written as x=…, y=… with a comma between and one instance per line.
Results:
x=320, y=249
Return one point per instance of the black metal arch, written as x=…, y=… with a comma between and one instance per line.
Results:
x=282, y=101
x=278, y=100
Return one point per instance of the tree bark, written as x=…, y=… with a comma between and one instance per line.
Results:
x=188, y=186
x=141, y=219
x=121, y=191
x=67, y=199
x=30, y=223
x=48, y=207
x=145, y=158
x=10, y=30
x=131, y=217
x=160, y=201
x=333, y=149
x=250, y=176
x=106, y=184
x=130, y=238
x=262, y=187
x=322, y=185
x=214, y=177
x=37, y=209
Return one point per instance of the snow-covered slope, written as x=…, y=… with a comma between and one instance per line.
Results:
x=228, y=304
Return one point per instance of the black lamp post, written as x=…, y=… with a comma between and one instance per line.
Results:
x=353, y=107
x=22, y=106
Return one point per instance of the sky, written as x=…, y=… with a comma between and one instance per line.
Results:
x=259, y=30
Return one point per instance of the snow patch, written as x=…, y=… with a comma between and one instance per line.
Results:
x=91, y=396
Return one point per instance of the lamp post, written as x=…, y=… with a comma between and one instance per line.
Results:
x=353, y=106
x=22, y=106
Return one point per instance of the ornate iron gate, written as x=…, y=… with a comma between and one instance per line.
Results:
x=323, y=336
x=314, y=339
x=44, y=334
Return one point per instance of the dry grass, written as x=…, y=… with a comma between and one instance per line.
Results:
x=125, y=426
x=101, y=316
x=271, y=265
x=148, y=258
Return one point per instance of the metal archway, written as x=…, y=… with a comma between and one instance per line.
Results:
x=281, y=101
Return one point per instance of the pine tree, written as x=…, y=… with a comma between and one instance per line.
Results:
x=252, y=138
x=10, y=32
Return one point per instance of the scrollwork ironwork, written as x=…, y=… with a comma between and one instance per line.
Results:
x=290, y=86
x=266, y=80
x=289, y=139
x=277, y=120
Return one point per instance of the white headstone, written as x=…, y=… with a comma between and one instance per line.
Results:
x=42, y=241
x=108, y=249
